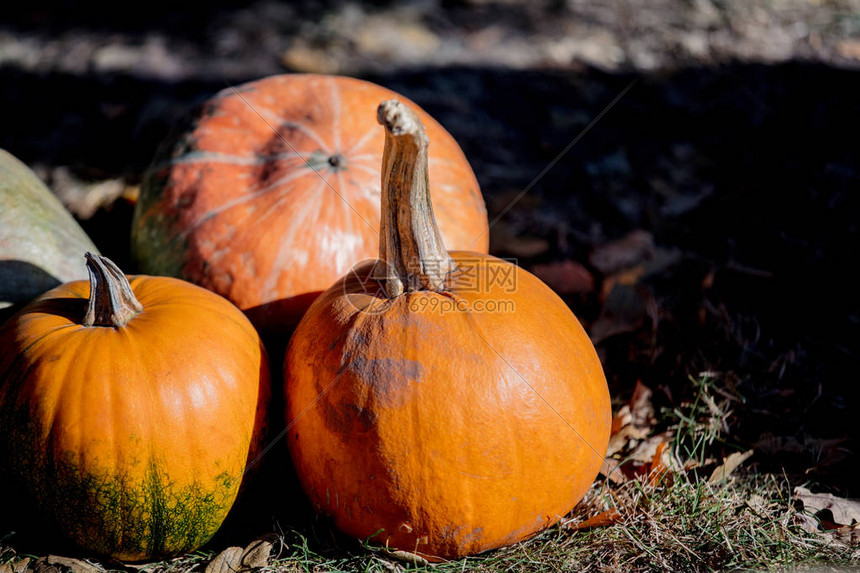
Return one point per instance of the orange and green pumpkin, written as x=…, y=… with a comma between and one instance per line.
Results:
x=130, y=408
x=272, y=193
x=442, y=403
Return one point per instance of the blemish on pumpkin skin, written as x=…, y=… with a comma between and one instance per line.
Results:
x=365, y=417
x=348, y=418
x=388, y=377
x=463, y=536
x=376, y=383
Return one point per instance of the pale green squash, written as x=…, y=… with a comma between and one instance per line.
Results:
x=41, y=244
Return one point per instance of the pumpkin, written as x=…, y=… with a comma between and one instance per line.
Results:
x=441, y=403
x=129, y=409
x=39, y=238
x=272, y=193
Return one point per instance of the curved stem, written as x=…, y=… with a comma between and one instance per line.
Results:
x=410, y=242
x=111, y=302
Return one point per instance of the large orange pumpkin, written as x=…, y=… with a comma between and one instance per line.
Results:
x=441, y=403
x=130, y=408
x=273, y=193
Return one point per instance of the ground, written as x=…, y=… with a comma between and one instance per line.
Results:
x=683, y=172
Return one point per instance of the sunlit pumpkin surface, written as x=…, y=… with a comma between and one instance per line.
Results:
x=440, y=430
x=134, y=439
x=273, y=193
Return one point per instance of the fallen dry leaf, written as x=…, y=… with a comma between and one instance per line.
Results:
x=641, y=408
x=638, y=412
x=622, y=418
x=58, y=564
x=622, y=439
x=807, y=522
x=848, y=534
x=407, y=557
x=659, y=468
x=730, y=464
x=602, y=519
x=647, y=449
x=255, y=555
x=837, y=515
x=258, y=553
x=650, y=458
x=15, y=566
x=41, y=565
x=228, y=561
x=844, y=511
x=629, y=436
x=611, y=471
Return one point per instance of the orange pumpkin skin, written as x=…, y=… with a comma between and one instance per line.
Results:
x=134, y=439
x=440, y=431
x=248, y=203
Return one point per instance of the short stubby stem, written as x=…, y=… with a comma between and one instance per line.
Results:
x=112, y=302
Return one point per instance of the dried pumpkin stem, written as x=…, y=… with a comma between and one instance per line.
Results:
x=111, y=302
x=410, y=242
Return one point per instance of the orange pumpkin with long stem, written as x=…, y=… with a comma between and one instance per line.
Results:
x=129, y=409
x=273, y=193
x=441, y=403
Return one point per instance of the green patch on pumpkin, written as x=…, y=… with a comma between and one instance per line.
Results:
x=132, y=519
x=127, y=517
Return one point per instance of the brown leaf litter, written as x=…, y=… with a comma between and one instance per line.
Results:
x=255, y=555
x=827, y=512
